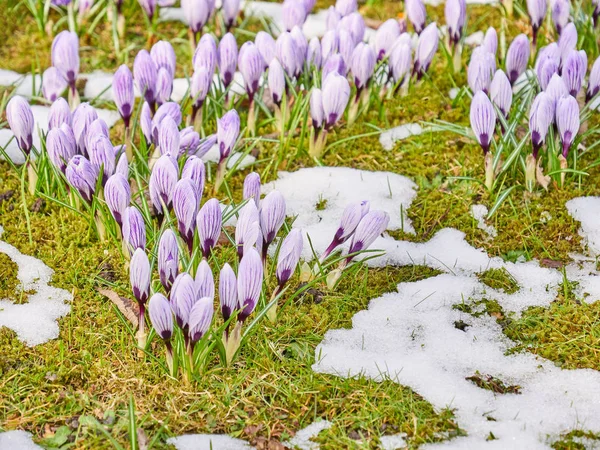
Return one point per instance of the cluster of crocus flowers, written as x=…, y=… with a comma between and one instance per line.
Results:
x=64, y=70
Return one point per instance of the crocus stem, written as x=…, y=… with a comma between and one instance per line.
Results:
x=457, y=59
x=192, y=39
x=220, y=175
x=563, y=165
x=232, y=343
x=272, y=311
x=100, y=228
x=489, y=171
x=530, y=172
x=169, y=356
x=252, y=118
x=353, y=110
x=31, y=176
x=319, y=144
x=73, y=97
x=508, y=6
x=128, y=146
x=141, y=333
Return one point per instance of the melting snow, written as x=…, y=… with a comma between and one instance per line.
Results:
x=35, y=321
x=17, y=440
x=586, y=210
x=388, y=138
x=302, y=439
x=479, y=213
x=393, y=442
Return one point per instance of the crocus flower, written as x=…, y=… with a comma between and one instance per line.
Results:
x=168, y=259
x=537, y=12
x=272, y=215
x=556, y=89
x=227, y=292
x=171, y=109
x=189, y=141
x=330, y=44
x=266, y=47
x=247, y=228
x=289, y=255
x=501, y=92
x=517, y=57
x=144, y=74
x=426, y=47
x=102, y=156
x=65, y=56
x=336, y=93
x=345, y=7
x=370, y=227
x=208, y=222
x=161, y=316
x=490, y=41
x=59, y=113
x=355, y=24
x=200, y=318
x=287, y=54
x=541, y=116
x=249, y=283
x=162, y=183
x=400, y=61
x=301, y=47
x=456, y=15
x=123, y=93
x=183, y=297
x=276, y=81
x=228, y=130
x=415, y=10
x=117, y=195
x=20, y=120
x=196, y=13
x=251, y=65
x=97, y=128
x=227, y=58
x=567, y=40
x=53, y=84
x=545, y=72
x=134, y=229
x=362, y=65
x=206, y=144
x=567, y=121
x=139, y=275
x=483, y=120
x=60, y=148
x=185, y=205
x=163, y=55
x=123, y=166
x=169, y=137
x=333, y=18
x=316, y=108
x=251, y=188
x=292, y=14
x=82, y=175
x=385, y=36
x=206, y=54
x=200, y=86
x=164, y=86
x=313, y=53
x=335, y=63
x=481, y=70
x=230, y=11
x=594, y=81
x=83, y=117
x=194, y=170
x=146, y=122
x=205, y=283
x=149, y=7
x=573, y=71
x=351, y=217
x=560, y=14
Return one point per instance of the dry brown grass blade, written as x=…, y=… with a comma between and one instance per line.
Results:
x=128, y=308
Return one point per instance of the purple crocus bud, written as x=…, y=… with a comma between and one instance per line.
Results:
x=400, y=61
x=206, y=144
x=336, y=93
x=594, y=81
x=70, y=136
x=549, y=52
x=60, y=2
x=82, y=175
x=149, y=7
x=171, y=109
x=316, y=108
x=117, y=195
x=537, y=12
x=289, y=255
x=251, y=65
x=162, y=182
x=144, y=74
x=94, y=130
x=346, y=46
x=247, y=228
x=313, y=53
x=351, y=217
x=53, y=84
x=490, y=41
x=102, y=156
x=541, y=116
x=168, y=137
x=287, y=54
x=228, y=130
x=517, y=57
x=426, y=47
x=161, y=316
x=206, y=54
x=200, y=318
x=230, y=10
x=123, y=166
x=335, y=63
x=139, y=275
x=292, y=14
x=20, y=120
x=355, y=25
x=205, y=283
x=301, y=47
x=308, y=5
x=333, y=18
x=370, y=227
x=276, y=81
x=546, y=70
x=146, y=122
x=362, y=65
x=567, y=121
x=85, y=6
x=252, y=188
x=330, y=44
x=183, y=297
x=209, y=221
x=272, y=215
x=481, y=70
x=196, y=13
x=123, y=93
x=556, y=89
x=249, y=283
x=415, y=10
x=266, y=46
x=189, y=141
x=456, y=15
x=567, y=40
x=200, y=86
x=164, y=86
x=65, y=56
x=573, y=71
x=501, y=92
x=83, y=117
x=134, y=229
x=346, y=7
x=483, y=120
x=385, y=36
x=185, y=205
x=60, y=149
x=168, y=259
x=227, y=292
x=59, y=113
x=194, y=170
x=560, y=14
x=163, y=55
x=227, y=58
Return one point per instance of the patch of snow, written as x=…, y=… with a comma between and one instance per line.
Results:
x=35, y=321
x=586, y=210
x=475, y=39
x=453, y=93
x=302, y=439
x=479, y=213
x=393, y=442
x=208, y=441
x=213, y=156
x=17, y=440
x=388, y=138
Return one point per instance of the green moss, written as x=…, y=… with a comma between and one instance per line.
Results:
x=499, y=279
x=575, y=440
x=494, y=384
x=8, y=277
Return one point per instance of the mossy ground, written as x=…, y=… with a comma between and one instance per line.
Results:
x=92, y=370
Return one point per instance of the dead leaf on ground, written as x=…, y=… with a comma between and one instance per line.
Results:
x=128, y=308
